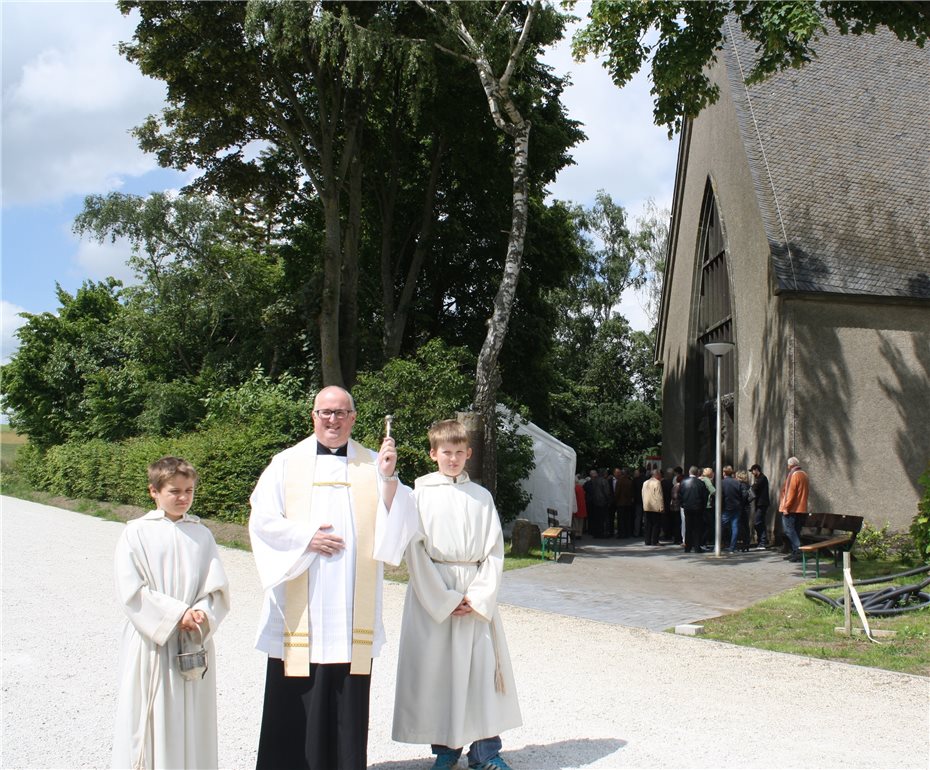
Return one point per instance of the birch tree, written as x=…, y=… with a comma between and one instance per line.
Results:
x=495, y=39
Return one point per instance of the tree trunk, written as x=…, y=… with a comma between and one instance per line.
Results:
x=330, y=359
x=396, y=322
x=348, y=310
x=487, y=375
x=508, y=119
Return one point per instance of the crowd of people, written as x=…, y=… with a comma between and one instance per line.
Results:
x=675, y=508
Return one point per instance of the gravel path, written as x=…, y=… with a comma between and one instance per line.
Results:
x=593, y=694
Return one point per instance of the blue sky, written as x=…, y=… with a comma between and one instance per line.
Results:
x=70, y=100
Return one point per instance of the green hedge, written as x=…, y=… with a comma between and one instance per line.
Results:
x=229, y=458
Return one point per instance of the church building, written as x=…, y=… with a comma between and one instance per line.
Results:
x=800, y=233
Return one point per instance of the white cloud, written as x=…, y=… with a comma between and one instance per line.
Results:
x=69, y=101
x=9, y=323
x=97, y=261
x=632, y=308
x=625, y=153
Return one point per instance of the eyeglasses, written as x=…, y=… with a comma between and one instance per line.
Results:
x=339, y=414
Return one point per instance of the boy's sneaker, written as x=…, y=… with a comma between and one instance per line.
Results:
x=494, y=763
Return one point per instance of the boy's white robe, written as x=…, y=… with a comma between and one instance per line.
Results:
x=163, y=568
x=446, y=669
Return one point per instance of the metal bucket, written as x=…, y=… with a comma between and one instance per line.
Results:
x=193, y=664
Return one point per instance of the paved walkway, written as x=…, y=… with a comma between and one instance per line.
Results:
x=653, y=587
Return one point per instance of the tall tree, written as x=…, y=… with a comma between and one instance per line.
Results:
x=653, y=228
x=604, y=400
x=67, y=365
x=615, y=258
x=209, y=284
x=295, y=79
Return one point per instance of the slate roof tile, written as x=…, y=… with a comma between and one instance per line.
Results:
x=840, y=160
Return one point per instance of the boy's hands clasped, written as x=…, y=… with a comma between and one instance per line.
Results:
x=464, y=608
x=192, y=619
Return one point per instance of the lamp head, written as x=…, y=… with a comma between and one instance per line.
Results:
x=719, y=348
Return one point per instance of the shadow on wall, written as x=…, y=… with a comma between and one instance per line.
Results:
x=908, y=389
x=822, y=373
x=767, y=402
x=675, y=447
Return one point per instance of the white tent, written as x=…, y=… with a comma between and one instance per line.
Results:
x=552, y=482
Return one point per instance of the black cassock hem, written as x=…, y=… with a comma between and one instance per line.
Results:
x=316, y=722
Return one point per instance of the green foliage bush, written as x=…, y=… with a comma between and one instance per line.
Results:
x=172, y=408
x=228, y=456
x=514, y=462
x=881, y=545
x=283, y=406
x=433, y=385
x=920, y=527
x=873, y=544
x=30, y=463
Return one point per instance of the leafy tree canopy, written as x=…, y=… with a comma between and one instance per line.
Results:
x=54, y=384
x=689, y=35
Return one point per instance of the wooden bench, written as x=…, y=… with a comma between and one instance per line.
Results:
x=832, y=532
x=556, y=538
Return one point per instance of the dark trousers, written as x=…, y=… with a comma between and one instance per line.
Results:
x=744, y=537
x=624, y=520
x=671, y=525
x=317, y=722
x=694, y=527
x=596, y=516
x=758, y=524
x=651, y=526
x=709, y=532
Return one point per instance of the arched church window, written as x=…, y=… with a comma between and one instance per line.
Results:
x=714, y=323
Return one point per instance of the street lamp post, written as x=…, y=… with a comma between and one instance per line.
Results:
x=719, y=350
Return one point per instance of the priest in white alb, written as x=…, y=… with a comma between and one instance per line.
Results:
x=326, y=513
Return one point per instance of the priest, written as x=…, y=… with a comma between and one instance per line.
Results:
x=326, y=513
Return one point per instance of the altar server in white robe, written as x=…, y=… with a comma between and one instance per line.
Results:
x=169, y=579
x=455, y=684
x=326, y=514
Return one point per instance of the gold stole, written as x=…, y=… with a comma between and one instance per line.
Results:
x=298, y=504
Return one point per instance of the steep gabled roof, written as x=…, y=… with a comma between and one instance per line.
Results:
x=840, y=156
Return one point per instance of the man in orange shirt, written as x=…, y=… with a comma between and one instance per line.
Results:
x=792, y=504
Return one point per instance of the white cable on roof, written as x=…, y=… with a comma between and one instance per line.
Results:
x=768, y=171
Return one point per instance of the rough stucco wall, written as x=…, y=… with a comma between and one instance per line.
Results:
x=862, y=405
